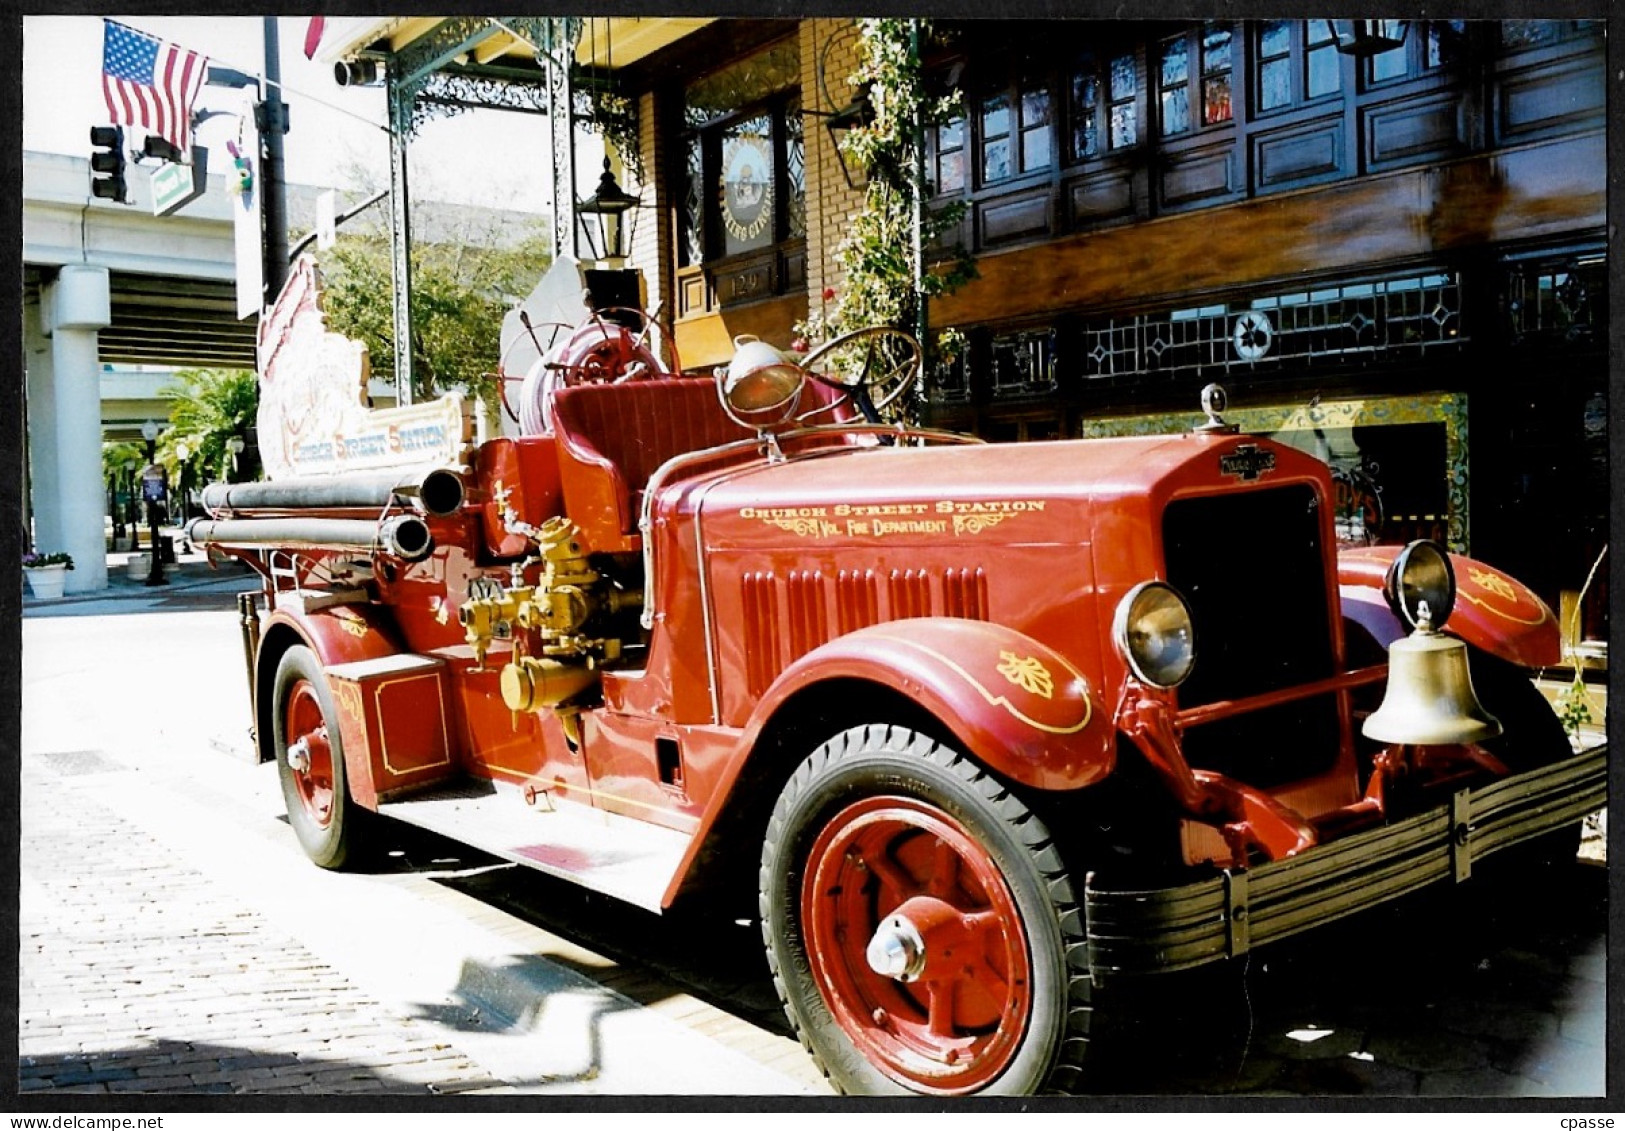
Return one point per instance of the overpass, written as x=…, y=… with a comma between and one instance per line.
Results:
x=108, y=287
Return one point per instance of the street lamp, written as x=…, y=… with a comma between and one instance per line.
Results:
x=152, y=490
x=610, y=204
x=1365, y=38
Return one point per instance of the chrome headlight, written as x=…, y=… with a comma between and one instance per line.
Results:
x=1152, y=631
x=1421, y=574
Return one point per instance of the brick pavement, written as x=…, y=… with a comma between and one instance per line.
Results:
x=139, y=975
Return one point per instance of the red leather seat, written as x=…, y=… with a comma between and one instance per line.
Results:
x=611, y=438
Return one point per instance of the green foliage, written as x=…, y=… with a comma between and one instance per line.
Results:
x=1574, y=706
x=117, y=456
x=40, y=561
x=207, y=407
x=877, y=256
x=460, y=292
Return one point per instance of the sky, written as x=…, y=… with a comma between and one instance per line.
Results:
x=335, y=137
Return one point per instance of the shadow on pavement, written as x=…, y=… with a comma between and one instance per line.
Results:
x=170, y=1067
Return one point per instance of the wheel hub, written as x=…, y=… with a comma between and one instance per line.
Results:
x=299, y=756
x=897, y=950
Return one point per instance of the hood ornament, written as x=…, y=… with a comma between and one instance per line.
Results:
x=1214, y=401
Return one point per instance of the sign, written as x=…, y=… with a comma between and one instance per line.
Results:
x=313, y=414
x=175, y=186
x=154, y=483
x=326, y=219
x=250, y=255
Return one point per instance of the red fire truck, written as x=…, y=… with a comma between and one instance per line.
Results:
x=974, y=730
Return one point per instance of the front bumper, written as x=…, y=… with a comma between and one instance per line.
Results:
x=1144, y=932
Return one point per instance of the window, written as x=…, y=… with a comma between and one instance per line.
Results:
x=1429, y=45
x=1015, y=129
x=1104, y=106
x=743, y=154
x=1297, y=62
x=1519, y=34
x=1193, y=80
x=950, y=157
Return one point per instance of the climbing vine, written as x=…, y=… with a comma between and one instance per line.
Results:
x=877, y=256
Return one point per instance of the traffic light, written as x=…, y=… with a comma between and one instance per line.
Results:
x=107, y=164
x=156, y=148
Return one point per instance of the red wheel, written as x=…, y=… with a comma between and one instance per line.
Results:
x=309, y=754
x=919, y=946
x=918, y=921
x=310, y=759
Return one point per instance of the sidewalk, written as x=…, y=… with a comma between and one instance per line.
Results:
x=190, y=581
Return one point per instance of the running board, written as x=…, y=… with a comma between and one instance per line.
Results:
x=619, y=856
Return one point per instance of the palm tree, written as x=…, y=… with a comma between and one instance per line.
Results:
x=207, y=407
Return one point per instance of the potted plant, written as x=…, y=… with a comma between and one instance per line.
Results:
x=47, y=573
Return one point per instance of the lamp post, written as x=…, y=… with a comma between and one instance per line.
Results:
x=132, y=516
x=152, y=490
x=183, y=452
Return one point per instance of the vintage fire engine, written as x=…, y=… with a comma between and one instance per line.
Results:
x=975, y=730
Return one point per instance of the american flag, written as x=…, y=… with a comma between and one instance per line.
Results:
x=151, y=83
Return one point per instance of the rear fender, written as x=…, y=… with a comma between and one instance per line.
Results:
x=1494, y=611
x=338, y=634
x=1016, y=705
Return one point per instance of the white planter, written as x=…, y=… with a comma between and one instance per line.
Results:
x=47, y=581
x=137, y=568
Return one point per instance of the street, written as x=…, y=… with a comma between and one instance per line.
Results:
x=175, y=940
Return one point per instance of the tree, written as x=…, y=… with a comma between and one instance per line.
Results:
x=460, y=290
x=207, y=407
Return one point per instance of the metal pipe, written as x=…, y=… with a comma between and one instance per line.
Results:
x=405, y=536
x=438, y=491
x=248, y=619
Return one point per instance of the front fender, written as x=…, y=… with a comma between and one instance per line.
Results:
x=1018, y=706
x=1494, y=611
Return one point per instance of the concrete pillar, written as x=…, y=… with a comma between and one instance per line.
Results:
x=80, y=305
x=42, y=490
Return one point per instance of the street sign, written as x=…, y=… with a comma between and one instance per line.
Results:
x=326, y=219
x=174, y=186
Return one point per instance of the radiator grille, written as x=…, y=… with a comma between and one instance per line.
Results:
x=1249, y=563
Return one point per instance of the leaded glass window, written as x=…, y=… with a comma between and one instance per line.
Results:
x=1193, y=80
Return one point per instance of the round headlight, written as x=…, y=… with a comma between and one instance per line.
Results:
x=1152, y=630
x=1421, y=574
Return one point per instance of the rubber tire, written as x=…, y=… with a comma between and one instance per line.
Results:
x=1532, y=736
x=333, y=845
x=882, y=760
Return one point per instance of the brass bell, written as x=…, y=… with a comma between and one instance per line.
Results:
x=1430, y=699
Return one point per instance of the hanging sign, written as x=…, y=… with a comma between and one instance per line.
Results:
x=313, y=415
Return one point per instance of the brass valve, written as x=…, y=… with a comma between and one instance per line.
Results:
x=483, y=618
x=531, y=684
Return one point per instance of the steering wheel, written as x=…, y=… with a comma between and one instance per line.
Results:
x=873, y=366
x=650, y=344
x=542, y=336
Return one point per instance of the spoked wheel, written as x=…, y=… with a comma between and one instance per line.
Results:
x=310, y=760
x=918, y=921
x=874, y=367
x=649, y=344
